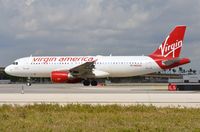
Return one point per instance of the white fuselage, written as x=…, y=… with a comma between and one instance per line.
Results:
x=105, y=66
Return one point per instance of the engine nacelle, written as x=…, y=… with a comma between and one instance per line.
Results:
x=63, y=77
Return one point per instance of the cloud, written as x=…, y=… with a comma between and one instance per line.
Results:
x=29, y=2
x=91, y=27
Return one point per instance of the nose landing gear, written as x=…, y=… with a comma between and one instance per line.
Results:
x=28, y=81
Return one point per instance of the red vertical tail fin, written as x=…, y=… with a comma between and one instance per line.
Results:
x=171, y=46
x=167, y=55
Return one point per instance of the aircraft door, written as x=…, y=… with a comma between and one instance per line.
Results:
x=27, y=62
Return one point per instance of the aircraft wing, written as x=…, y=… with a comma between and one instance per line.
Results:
x=83, y=70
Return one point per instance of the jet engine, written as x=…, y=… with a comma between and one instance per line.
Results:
x=63, y=77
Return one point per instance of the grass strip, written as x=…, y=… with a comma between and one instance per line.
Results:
x=86, y=118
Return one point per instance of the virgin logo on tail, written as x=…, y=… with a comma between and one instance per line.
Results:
x=167, y=49
x=171, y=46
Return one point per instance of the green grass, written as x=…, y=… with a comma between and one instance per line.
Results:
x=88, y=118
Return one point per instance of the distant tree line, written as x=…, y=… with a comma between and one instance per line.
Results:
x=179, y=70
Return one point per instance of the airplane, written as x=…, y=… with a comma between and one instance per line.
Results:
x=87, y=69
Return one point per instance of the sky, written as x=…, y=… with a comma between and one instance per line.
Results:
x=95, y=27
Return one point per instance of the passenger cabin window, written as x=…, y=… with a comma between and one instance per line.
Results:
x=15, y=63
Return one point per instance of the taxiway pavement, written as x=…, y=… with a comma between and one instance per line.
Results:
x=154, y=94
x=78, y=88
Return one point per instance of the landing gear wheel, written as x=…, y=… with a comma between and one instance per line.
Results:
x=86, y=83
x=28, y=84
x=94, y=83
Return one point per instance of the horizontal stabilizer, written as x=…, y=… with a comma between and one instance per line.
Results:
x=170, y=62
x=176, y=62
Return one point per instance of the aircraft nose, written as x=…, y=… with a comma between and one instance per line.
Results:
x=7, y=70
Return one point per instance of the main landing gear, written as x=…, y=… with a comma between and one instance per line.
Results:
x=90, y=82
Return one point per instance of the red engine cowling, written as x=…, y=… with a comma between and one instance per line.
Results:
x=63, y=77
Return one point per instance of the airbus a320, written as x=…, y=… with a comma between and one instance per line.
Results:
x=87, y=69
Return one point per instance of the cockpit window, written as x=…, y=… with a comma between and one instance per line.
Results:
x=15, y=63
